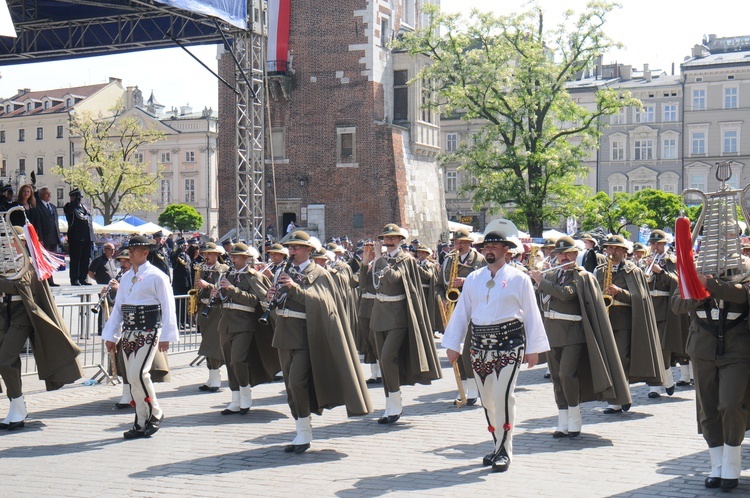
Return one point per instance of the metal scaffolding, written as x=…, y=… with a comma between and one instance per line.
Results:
x=248, y=50
x=54, y=30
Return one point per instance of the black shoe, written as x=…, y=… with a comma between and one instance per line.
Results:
x=244, y=411
x=501, y=463
x=547, y=376
x=227, y=411
x=13, y=425
x=559, y=434
x=152, y=426
x=670, y=390
x=574, y=434
x=654, y=395
x=712, y=482
x=610, y=411
x=626, y=407
x=682, y=383
x=85, y=282
x=389, y=419
x=371, y=381
x=301, y=448
x=727, y=484
x=122, y=406
x=379, y=380
x=289, y=448
x=471, y=401
x=135, y=433
x=54, y=285
x=75, y=282
x=488, y=459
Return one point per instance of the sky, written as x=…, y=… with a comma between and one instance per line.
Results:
x=656, y=32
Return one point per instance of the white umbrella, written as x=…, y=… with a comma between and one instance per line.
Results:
x=149, y=228
x=120, y=227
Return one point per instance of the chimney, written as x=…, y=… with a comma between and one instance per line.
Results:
x=23, y=91
x=118, y=80
x=626, y=72
x=646, y=73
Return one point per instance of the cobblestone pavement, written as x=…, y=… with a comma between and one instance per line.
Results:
x=72, y=445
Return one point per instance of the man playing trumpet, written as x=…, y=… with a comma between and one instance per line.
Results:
x=400, y=321
x=583, y=360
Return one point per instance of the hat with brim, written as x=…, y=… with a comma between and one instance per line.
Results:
x=462, y=234
x=392, y=230
x=497, y=238
x=241, y=250
x=209, y=247
x=657, y=236
x=565, y=244
x=123, y=254
x=76, y=192
x=141, y=241
x=616, y=241
x=6, y=188
x=549, y=243
x=299, y=238
x=424, y=248
x=278, y=248
x=321, y=253
x=588, y=236
x=639, y=247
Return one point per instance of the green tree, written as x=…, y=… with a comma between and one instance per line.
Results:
x=108, y=173
x=181, y=217
x=662, y=208
x=512, y=73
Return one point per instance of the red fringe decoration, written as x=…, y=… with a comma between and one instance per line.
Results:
x=45, y=262
x=690, y=286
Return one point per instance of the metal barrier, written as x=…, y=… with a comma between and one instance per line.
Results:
x=84, y=331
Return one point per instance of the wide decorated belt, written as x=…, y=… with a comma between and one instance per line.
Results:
x=498, y=337
x=141, y=317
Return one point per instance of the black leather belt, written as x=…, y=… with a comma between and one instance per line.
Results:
x=498, y=337
x=141, y=317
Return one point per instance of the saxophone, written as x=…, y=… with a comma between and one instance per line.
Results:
x=193, y=300
x=451, y=293
x=608, y=300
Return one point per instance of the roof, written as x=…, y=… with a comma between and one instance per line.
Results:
x=717, y=59
x=59, y=94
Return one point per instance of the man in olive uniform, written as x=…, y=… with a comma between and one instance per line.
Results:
x=364, y=337
x=661, y=274
x=632, y=318
x=719, y=347
x=400, y=321
x=277, y=255
x=320, y=365
x=583, y=354
x=430, y=274
x=248, y=354
x=208, y=317
x=467, y=261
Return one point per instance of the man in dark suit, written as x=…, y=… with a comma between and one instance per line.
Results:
x=46, y=224
x=80, y=238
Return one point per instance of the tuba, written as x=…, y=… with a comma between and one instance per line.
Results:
x=14, y=256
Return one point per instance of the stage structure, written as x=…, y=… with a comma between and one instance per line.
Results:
x=49, y=30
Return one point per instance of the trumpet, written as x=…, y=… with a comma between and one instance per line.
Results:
x=655, y=260
x=556, y=267
x=98, y=306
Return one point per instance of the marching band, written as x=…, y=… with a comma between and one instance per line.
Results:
x=607, y=314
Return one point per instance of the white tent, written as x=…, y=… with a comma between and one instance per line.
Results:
x=149, y=228
x=62, y=225
x=454, y=225
x=552, y=234
x=120, y=227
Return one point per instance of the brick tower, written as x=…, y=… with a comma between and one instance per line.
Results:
x=353, y=148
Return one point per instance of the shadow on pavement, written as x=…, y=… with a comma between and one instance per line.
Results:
x=364, y=426
x=419, y=481
x=56, y=449
x=259, y=458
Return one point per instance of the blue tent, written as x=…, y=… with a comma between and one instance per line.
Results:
x=133, y=220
